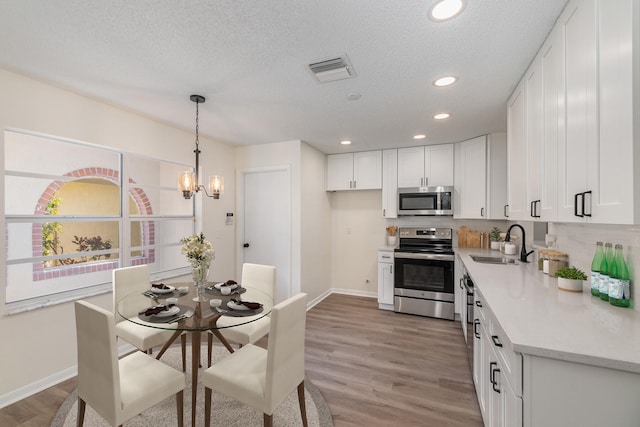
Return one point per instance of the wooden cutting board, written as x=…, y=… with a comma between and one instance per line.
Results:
x=473, y=239
x=462, y=237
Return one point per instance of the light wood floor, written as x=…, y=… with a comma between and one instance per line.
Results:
x=374, y=368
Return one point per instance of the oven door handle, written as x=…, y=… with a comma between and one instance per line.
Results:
x=436, y=257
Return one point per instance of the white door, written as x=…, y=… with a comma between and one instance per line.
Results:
x=266, y=224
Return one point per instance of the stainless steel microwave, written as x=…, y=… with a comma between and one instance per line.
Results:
x=425, y=201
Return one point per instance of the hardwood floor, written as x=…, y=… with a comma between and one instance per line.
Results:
x=374, y=368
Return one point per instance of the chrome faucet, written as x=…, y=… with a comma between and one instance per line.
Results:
x=523, y=252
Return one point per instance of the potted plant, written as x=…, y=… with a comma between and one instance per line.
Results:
x=391, y=237
x=570, y=279
x=495, y=235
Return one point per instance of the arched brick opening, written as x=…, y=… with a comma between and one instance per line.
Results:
x=147, y=228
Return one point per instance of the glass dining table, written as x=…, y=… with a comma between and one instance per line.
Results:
x=184, y=314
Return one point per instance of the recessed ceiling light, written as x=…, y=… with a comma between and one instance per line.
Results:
x=419, y=136
x=345, y=142
x=445, y=81
x=442, y=116
x=446, y=9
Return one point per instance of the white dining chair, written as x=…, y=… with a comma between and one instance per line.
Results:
x=264, y=378
x=257, y=279
x=127, y=280
x=118, y=390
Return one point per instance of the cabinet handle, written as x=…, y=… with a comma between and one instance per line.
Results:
x=538, y=204
x=384, y=212
x=426, y=181
x=478, y=303
x=575, y=204
x=497, y=343
x=584, y=196
x=481, y=211
x=354, y=184
x=421, y=182
x=461, y=283
x=531, y=209
x=506, y=207
x=476, y=322
x=534, y=209
x=492, y=376
x=391, y=269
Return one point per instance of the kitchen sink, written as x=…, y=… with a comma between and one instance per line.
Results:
x=493, y=260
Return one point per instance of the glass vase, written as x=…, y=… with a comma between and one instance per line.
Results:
x=200, y=275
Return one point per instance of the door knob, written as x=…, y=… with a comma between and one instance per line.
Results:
x=246, y=245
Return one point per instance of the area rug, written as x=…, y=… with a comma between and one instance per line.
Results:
x=224, y=410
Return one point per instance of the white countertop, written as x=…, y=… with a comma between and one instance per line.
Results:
x=541, y=320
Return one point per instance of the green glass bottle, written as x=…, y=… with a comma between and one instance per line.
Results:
x=595, y=270
x=619, y=288
x=605, y=272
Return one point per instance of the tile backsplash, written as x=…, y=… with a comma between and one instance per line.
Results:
x=579, y=241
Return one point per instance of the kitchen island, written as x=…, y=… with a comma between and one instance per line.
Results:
x=550, y=357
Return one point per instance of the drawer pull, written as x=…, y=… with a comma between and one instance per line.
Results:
x=476, y=322
x=492, y=376
x=478, y=303
x=497, y=343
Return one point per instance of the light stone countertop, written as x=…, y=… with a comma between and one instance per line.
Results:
x=541, y=320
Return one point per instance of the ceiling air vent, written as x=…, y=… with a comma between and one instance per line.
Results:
x=332, y=69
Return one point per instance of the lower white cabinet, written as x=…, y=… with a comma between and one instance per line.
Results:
x=385, y=279
x=497, y=371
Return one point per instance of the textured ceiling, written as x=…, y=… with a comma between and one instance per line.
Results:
x=249, y=58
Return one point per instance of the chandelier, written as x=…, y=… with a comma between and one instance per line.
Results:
x=188, y=182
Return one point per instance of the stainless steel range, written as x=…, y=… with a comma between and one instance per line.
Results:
x=424, y=268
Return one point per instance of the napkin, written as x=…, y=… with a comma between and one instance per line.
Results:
x=156, y=309
x=250, y=305
x=159, y=286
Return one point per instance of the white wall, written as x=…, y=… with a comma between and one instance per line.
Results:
x=39, y=347
x=310, y=215
x=315, y=236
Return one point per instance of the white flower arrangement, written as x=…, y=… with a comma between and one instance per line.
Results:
x=198, y=250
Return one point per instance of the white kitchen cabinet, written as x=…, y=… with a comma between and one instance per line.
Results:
x=578, y=25
x=535, y=126
x=480, y=177
x=497, y=373
x=517, y=150
x=562, y=393
x=390, y=183
x=431, y=165
x=385, y=279
x=546, y=178
x=354, y=171
x=571, y=126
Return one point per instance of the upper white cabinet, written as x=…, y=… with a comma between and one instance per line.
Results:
x=578, y=26
x=390, y=183
x=571, y=121
x=354, y=171
x=516, y=154
x=425, y=166
x=480, y=178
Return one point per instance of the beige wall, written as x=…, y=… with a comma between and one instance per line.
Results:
x=38, y=347
x=315, y=236
x=310, y=211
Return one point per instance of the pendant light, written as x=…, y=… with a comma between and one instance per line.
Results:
x=188, y=182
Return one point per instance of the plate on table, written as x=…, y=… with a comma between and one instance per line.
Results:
x=171, y=311
x=240, y=307
x=218, y=286
x=165, y=290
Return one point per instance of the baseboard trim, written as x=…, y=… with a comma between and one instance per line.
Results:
x=50, y=381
